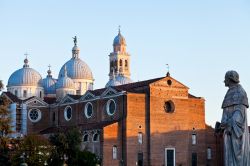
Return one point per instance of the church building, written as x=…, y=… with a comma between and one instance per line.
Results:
x=153, y=122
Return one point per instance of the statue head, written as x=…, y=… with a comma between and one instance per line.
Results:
x=231, y=78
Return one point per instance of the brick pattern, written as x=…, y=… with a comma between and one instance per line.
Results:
x=141, y=109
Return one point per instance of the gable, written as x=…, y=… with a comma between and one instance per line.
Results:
x=168, y=87
x=169, y=82
x=35, y=102
x=67, y=99
x=88, y=96
x=109, y=92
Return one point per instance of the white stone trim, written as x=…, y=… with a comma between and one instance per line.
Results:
x=166, y=149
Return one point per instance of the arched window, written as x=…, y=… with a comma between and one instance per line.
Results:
x=114, y=149
x=86, y=137
x=194, y=139
x=111, y=65
x=209, y=153
x=95, y=137
x=120, y=62
x=16, y=92
x=54, y=117
x=25, y=93
x=126, y=63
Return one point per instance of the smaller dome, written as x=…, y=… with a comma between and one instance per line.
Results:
x=49, y=84
x=65, y=81
x=123, y=79
x=112, y=82
x=119, y=39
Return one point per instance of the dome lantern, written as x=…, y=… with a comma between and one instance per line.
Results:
x=49, y=72
x=26, y=61
x=75, y=49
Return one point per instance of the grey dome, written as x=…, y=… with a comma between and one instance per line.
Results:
x=112, y=82
x=49, y=85
x=76, y=69
x=119, y=40
x=25, y=76
x=65, y=82
x=123, y=79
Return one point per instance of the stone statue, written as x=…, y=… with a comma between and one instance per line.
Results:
x=234, y=123
x=75, y=40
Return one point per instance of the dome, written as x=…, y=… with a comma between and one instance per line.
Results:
x=65, y=82
x=25, y=76
x=119, y=40
x=123, y=79
x=112, y=82
x=49, y=85
x=77, y=69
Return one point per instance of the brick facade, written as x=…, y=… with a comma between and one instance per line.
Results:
x=160, y=110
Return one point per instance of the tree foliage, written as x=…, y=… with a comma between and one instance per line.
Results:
x=68, y=149
x=35, y=150
x=1, y=85
x=5, y=129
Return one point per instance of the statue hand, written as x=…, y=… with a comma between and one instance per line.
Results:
x=228, y=132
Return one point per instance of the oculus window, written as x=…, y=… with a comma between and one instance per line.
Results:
x=88, y=110
x=111, y=107
x=169, y=106
x=34, y=115
x=68, y=113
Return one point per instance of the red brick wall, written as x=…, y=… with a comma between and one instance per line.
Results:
x=110, y=138
x=135, y=122
x=40, y=125
x=174, y=130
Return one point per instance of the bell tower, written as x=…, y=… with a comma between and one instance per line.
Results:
x=119, y=59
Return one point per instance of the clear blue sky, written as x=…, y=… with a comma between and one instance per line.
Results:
x=200, y=40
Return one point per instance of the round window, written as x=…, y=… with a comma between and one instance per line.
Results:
x=111, y=107
x=35, y=115
x=169, y=106
x=88, y=110
x=68, y=113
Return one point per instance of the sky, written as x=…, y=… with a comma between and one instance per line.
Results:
x=199, y=39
